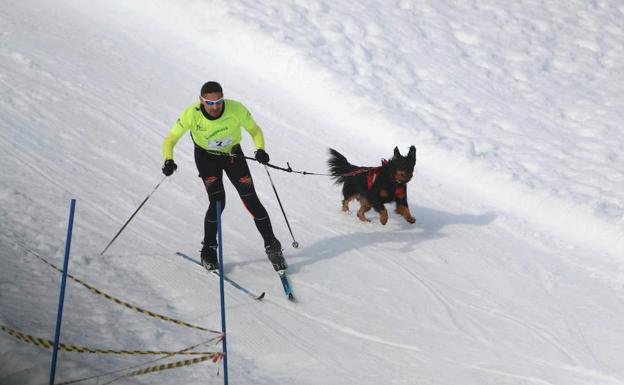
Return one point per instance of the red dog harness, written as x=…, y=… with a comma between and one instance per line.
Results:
x=399, y=192
x=374, y=173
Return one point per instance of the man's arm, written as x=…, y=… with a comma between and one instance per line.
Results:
x=178, y=129
x=250, y=125
x=256, y=134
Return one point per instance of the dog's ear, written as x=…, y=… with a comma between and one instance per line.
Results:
x=412, y=154
x=397, y=154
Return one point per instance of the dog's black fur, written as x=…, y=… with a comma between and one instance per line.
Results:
x=375, y=186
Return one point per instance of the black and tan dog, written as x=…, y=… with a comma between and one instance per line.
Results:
x=375, y=186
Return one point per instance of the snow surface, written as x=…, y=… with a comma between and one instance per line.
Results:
x=513, y=273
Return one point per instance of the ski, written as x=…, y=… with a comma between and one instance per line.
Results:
x=225, y=278
x=286, y=285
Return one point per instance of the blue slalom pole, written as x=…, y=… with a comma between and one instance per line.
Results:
x=220, y=247
x=59, y=317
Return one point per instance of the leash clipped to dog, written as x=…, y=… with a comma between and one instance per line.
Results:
x=288, y=169
x=295, y=244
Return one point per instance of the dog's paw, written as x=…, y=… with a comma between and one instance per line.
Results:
x=411, y=220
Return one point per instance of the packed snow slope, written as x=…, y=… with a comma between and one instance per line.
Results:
x=513, y=273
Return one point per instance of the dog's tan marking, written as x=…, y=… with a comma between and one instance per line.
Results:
x=401, y=176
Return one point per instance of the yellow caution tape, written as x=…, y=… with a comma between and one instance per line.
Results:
x=81, y=349
x=214, y=357
x=126, y=304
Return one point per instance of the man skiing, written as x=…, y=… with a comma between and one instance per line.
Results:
x=215, y=124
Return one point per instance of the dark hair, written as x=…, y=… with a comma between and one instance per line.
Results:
x=210, y=87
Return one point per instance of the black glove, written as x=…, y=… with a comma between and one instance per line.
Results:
x=169, y=167
x=262, y=156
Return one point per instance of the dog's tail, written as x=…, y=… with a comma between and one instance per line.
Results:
x=339, y=166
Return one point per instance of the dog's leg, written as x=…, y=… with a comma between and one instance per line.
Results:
x=383, y=216
x=404, y=211
x=374, y=202
x=349, y=192
x=364, y=207
x=345, y=203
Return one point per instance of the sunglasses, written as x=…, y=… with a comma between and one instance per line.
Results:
x=211, y=102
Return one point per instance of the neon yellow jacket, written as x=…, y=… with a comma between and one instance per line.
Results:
x=219, y=135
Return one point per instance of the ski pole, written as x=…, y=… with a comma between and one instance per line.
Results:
x=132, y=216
x=295, y=244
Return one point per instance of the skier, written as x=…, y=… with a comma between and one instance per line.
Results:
x=215, y=124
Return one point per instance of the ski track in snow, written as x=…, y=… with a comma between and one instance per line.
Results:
x=449, y=302
x=349, y=331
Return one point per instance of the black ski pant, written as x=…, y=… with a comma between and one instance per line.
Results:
x=211, y=167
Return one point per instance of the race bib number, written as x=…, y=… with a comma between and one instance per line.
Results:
x=221, y=143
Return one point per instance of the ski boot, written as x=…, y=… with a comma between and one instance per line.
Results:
x=209, y=258
x=274, y=252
